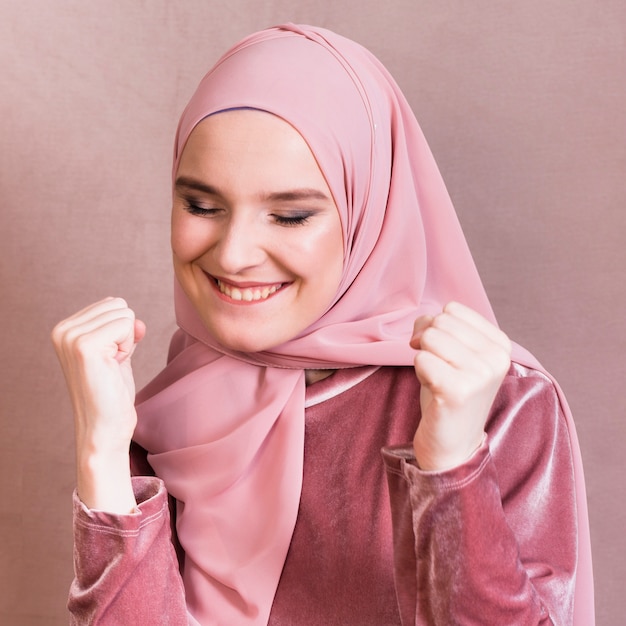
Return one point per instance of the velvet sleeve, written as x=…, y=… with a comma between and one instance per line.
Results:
x=493, y=541
x=126, y=569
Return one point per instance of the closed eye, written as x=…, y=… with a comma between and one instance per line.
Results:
x=293, y=219
x=196, y=209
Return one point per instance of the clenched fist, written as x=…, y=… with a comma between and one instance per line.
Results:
x=461, y=361
x=95, y=347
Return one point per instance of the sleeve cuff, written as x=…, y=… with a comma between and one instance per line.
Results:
x=401, y=460
x=151, y=497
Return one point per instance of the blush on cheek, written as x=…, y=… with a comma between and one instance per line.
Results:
x=187, y=243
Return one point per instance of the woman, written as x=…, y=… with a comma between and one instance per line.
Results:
x=329, y=309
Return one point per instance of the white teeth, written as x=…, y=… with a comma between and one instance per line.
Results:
x=247, y=295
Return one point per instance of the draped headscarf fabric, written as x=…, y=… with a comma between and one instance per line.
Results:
x=224, y=429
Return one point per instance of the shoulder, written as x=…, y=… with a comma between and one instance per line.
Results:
x=529, y=393
x=528, y=403
x=527, y=428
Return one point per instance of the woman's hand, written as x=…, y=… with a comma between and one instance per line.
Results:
x=460, y=362
x=95, y=347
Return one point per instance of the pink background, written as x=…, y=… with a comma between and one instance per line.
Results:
x=524, y=105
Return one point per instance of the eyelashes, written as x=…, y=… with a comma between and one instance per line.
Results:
x=292, y=219
x=194, y=209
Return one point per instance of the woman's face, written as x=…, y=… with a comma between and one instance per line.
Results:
x=256, y=235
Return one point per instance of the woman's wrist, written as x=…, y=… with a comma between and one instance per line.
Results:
x=429, y=460
x=104, y=481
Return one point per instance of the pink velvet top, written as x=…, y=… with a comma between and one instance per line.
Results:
x=377, y=541
x=225, y=430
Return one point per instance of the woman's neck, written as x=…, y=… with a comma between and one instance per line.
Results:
x=313, y=376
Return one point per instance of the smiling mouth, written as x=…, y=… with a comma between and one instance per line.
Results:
x=247, y=294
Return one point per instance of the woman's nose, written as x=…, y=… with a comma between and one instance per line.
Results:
x=240, y=247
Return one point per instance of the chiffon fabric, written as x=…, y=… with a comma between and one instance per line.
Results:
x=225, y=430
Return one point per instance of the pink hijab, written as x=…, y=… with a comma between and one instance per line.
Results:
x=225, y=430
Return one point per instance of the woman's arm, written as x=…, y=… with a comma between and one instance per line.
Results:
x=475, y=542
x=126, y=570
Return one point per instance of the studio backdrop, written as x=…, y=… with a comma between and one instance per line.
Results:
x=523, y=104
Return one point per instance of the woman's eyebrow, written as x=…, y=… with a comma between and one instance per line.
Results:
x=195, y=185
x=289, y=195
x=293, y=195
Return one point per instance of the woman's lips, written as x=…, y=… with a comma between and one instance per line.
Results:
x=246, y=293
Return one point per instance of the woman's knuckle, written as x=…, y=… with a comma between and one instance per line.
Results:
x=120, y=302
x=429, y=336
x=56, y=335
x=82, y=344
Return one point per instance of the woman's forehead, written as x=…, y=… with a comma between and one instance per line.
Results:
x=251, y=150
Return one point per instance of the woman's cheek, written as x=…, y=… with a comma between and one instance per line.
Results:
x=188, y=240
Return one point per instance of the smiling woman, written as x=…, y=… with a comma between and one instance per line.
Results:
x=329, y=311
x=256, y=236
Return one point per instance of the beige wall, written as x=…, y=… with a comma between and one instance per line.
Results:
x=524, y=104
